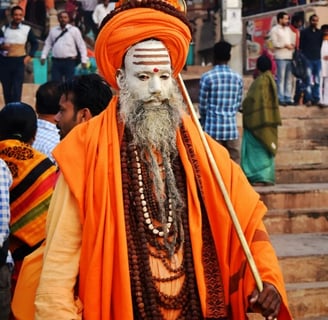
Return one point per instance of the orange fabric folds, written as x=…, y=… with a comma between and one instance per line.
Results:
x=104, y=271
x=22, y=304
x=132, y=26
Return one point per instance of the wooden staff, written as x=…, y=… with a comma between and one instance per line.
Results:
x=220, y=182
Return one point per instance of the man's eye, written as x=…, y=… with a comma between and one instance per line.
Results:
x=165, y=76
x=143, y=77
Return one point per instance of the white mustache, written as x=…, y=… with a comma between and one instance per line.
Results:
x=153, y=99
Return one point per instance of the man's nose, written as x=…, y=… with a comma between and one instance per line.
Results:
x=155, y=85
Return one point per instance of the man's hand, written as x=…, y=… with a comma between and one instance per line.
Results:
x=267, y=302
x=27, y=59
x=42, y=61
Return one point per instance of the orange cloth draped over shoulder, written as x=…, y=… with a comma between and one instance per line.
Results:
x=95, y=181
x=134, y=25
x=94, y=178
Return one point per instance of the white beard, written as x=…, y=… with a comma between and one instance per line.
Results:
x=153, y=130
x=152, y=126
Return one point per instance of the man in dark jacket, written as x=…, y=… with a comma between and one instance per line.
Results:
x=310, y=45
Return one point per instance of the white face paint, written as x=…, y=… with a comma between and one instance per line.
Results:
x=147, y=74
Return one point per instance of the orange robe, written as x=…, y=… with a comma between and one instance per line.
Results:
x=90, y=162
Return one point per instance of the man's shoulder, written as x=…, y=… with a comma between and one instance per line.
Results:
x=208, y=73
x=99, y=6
x=5, y=172
x=44, y=124
x=54, y=29
x=276, y=27
x=72, y=28
x=234, y=74
x=306, y=30
x=25, y=25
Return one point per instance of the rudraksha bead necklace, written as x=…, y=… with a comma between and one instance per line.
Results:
x=144, y=243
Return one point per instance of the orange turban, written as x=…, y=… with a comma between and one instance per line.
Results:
x=135, y=25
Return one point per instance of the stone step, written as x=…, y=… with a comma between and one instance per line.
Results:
x=305, y=129
x=303, y=113
x=304, y=262
x=294, y=196
x=305, y=269
x=308, y=300
x=294, y=157
x=301, y=220
x=305, y=252
x=302, y=173
x=302, y=143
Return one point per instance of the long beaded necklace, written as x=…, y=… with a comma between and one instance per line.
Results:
x=148, y=220
x=145, y=244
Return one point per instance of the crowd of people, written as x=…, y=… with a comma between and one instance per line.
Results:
x=289, y=38
x=27, y=138
x=109, y=208
x=294, y=73
x=65, y=43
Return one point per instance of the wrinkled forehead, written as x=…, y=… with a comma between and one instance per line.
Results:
x=150, y=53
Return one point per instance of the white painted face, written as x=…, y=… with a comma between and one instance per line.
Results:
x=147, y=73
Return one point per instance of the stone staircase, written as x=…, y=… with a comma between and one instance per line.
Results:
x=297, y=218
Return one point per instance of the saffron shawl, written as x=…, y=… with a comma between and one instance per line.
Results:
x=34, y=177
x=94, y=178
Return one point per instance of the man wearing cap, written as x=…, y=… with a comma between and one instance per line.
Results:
x=134, y=216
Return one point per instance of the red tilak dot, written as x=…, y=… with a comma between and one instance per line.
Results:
x=156, y=70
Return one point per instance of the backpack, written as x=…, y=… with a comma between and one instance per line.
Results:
x=299, y=65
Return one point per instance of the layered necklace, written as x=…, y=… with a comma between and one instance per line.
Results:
x=159, y=246
x=148, y=220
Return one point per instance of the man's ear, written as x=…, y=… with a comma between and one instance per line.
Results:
x=84, y=115
x=120, y=76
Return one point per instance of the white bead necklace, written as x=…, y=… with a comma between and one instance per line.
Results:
x=143, y=201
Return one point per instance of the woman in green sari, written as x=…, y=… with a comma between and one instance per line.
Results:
x=261, y=118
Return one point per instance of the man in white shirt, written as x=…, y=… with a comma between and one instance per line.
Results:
x=284, y=44
x=102, y=10
x=66, y=43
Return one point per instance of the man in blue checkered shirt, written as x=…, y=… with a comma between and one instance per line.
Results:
x=6, y=262
x=220, y=99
